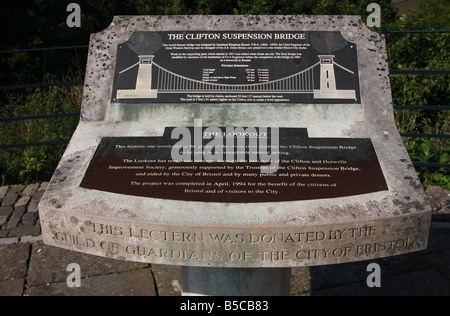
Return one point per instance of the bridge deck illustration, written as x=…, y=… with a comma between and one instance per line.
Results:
x=167, y=81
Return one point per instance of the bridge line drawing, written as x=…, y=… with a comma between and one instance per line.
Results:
x=170, y=82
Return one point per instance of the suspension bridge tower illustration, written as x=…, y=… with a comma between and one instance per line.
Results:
x=153, y=79
x=328, y=81
x=143, y=82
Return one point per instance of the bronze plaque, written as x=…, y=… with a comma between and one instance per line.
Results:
x=306, y=169
x=236, y=67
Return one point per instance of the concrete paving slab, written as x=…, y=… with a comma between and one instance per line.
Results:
x=418, y=283
x=13, y=262
x=49, y=265
x=133, y=283
x=168, y=279
x=12, y=287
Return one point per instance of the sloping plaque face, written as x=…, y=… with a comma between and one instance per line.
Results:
x=309, y=168
x=232, y=66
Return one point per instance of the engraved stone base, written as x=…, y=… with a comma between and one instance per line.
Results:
x=289, y=245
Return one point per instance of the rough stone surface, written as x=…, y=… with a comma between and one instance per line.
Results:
x=3, y=219
x=30, y=239
x=288, y=234
x=31, y=189
x=421, y=273
x=12, y=287
x=23, y=201
x=12, y=196
x=13, y=264
x=134, y=283
x=167, y=279
x=3, y=191
x=6, y=210
x=16, y=217
x=49, y=264
x=395, y=286
x=21, y=218
x=25, y=230
x=8, y=241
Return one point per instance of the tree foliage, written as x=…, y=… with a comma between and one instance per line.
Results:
x=427, y=51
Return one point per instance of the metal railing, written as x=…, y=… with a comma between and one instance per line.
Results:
x=384, y=31
x=37, y=117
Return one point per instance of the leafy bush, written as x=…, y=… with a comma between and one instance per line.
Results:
x=427, y=51
x=34, y=163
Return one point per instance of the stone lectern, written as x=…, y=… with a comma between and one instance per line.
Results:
x=236, y=147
